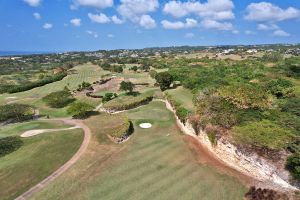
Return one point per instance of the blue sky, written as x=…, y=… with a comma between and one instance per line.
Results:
x=63, y=25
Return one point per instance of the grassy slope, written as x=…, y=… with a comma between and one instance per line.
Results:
x=154, y=164
x=87, y=72
x=35, y=160
x=183, y=96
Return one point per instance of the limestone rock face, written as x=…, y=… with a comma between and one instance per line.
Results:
x=250, y=163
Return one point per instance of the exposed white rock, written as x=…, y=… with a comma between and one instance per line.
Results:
x=252, y=165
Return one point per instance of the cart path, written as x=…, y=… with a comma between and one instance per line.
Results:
x=66, y=166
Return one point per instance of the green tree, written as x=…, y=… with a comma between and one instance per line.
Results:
x=127, y=86
x=134, y=68
x=79, y=109
x=164, y=79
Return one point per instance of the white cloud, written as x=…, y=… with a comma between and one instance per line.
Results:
x=110, y=36
x=236, y=32
x=92, y=3
x=37, y=16
x=267, y=27
x=147, y=22
x=248, y=32
x=134, y=9
x=75, y=22
x=47, y=26
x=99, y=18
x=33, y=3
x=189, y=35
x=137, y=11
x=189, y=23
x=212, y=9
x=172, y=25
x=116, y=20
x=212, y=24
x=92, y=33
x=281, y=33
x=268, y=12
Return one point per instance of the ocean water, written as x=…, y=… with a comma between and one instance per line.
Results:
x=20, y=53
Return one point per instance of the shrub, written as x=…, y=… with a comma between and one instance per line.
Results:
x=293, y=165
x=9, y=145
x=84, y=86
x=246, y=96
x=16, y=112
x=79, y=110
x=292, y=105
x=265, y=134
x=59, y=99
x=272, y=57
x=152, y=73
x=212, y=138
x=280, y=87
x=217, y=111
x=108, y=97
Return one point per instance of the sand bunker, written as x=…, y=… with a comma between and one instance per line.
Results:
x=145, y=125
x=11, y=97
x=40, y=131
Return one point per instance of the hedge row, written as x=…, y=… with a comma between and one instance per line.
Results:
x=21, y=88
x=181, y=112
x=125, y=129
x=137, y=101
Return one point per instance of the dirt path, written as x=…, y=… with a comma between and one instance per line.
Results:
x=66, y=166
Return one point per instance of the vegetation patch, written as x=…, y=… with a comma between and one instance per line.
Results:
x=181, y=112
x=59, y=99
x=293, y=165
x=16, y=112
x=265, y=134
x=9, y=145
x=246, y=96
x=80, y=110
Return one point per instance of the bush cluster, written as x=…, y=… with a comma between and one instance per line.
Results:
x=58, y=99
x=9, y=145
x=16, y=112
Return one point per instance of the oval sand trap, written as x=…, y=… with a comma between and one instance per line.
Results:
x=145, y=125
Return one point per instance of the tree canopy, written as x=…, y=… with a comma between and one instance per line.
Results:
x=127, y=86
x=79, y=109
x=164, y=79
